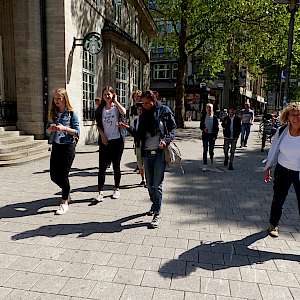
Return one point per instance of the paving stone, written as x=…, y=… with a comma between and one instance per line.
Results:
x=115, y=247
x=129, y=276
x=254, y=275
x=132, y=292
x=173, y=266
x=198, y=296
x=199, y=269
x=5, y=274
x=102, y=273
x=22, y=280
x=155, y=241
x=295, y=293
x=162, y=252
x=167, y=294
x=4, y=292
x=90, y=257
x=191, y=283
x=158, y=280
x=121, y=261
x=139, y=250
x=215, y=286
x=232, y=273
x=247, y=290
x=107, y=291
x=25, y=264
x=272, y=292
x=78, y=287
x=50, y=284
x=283, y=278
x=176, y=243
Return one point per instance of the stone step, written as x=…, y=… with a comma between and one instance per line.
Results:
x=24, y=153
x=23, y=160
x=9, y=133
x=20, y=146
x=7, y=128
x=15, y=139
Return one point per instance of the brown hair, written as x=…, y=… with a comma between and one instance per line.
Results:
x=53, y=109
x=285, y=113
x=111, y=90
x=136, y=93
x=149, y=95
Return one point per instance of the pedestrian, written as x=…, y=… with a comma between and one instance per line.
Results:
x=137, y=146
x=111, y=142
x=285, y=156
x=155, y=131
x=63, y=126
x=136, y=98
x=231, y=130
x=209, y=125
x=97, y=102
x=247, y=116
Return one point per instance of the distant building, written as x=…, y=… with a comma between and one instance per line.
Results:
x=38, y=55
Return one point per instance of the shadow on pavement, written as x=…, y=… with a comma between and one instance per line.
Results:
x=84, y=229
x=221, y=255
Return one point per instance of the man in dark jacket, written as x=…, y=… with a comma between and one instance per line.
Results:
x=231, y=130
x=209, y=125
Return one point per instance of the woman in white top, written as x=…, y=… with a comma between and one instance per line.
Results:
x=285, y=154
x=111, y=143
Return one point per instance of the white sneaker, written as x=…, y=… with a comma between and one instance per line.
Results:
x=204, y=169
x=100, y=197
x=63, y=208
x=116, y=194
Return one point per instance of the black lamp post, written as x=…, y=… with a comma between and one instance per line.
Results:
x=292, y=8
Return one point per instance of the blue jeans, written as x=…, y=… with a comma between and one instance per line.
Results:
x=245, y=131
x=155, y=165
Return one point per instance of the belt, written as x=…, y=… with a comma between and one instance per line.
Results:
x=151, y=152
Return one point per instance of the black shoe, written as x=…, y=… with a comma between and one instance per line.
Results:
x=150, y=213
x=136, y=169
x=226, y=162
x=230, y=167
x=142, y=183
x=155, y=222
x=211, y=161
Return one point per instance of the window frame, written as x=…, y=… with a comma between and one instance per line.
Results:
x=122, y=79
x=157, y=70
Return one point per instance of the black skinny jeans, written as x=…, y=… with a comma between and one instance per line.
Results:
x=111, y=153
x=283, y=179
x=61, y=160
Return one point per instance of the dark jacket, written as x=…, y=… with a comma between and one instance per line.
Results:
x=165, y=124
x=215, y=125
x=236, y=127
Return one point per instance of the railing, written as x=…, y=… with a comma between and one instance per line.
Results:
x=8, y=113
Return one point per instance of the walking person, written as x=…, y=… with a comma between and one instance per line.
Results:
x=285, y=155
x=111, y=143
x=63, y=127
x=155, y=131
x=247, y=116
x=137, y=145
x=209, y=125
x=231, y=130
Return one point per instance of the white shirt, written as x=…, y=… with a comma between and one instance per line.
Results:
x=110, y=117
x=289, y=152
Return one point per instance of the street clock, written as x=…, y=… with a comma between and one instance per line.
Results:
x=92, y=43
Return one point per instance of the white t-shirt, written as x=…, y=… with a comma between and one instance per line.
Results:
x=289, y=152
x=110, y=117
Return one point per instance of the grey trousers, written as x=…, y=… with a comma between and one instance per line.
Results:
x=229, y=143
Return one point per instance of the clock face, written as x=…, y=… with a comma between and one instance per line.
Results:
x=92, y=43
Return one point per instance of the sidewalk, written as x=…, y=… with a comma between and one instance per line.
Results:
x=210, y=245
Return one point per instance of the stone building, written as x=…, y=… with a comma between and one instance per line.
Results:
x=40, y=51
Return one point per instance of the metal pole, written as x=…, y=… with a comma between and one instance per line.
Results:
x=292, y=9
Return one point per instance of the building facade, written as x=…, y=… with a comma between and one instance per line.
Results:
x=41, y=50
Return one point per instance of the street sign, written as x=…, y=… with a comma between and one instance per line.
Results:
x=92, y=43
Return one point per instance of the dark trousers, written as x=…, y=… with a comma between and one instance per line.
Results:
x=283, y=179
x=208, y=140
x=229, y=143
x=155, y=165
x=61, y=160
x=245, y=132
x=111, y=153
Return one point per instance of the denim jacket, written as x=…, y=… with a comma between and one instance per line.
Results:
x=68, y=119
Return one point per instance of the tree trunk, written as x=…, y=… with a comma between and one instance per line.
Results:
x=182, y=64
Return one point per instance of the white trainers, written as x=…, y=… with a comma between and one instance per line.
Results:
x=63, y=208
x=116, y=194
x=100, y=197
x=204, y=169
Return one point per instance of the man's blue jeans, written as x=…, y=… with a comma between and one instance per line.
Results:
x=245, y=131
x=155, y=165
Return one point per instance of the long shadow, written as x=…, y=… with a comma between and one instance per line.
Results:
x=24, y=209
x=221, y=255
x=84, y=229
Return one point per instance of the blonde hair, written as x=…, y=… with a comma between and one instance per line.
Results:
x=53, y=109
x=285, y=113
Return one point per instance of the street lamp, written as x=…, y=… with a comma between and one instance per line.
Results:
x=292, y=8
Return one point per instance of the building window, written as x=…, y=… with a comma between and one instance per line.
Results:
x=174, y=72
x=118, y=11
x=88, y=85
x=162, y=71
x=135, y=76
x=122, y=80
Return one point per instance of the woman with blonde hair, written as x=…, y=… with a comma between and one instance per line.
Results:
x=63, y=127
x=285, y=156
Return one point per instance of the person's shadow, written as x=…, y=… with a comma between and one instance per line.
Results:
x=221, y=255
x=83, y=229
